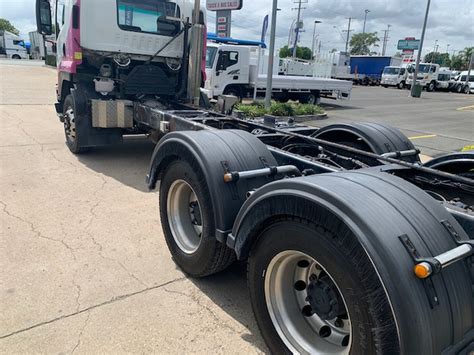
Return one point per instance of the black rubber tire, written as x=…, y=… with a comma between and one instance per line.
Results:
x=467, y=89
x=401, y=85
x=459, y=89
x=211, y=255
x=325, y=244
x=234, y=91
x=309, y=99
x=16, y=56
x=72, y=144
x=385, y=86
x=431, y=87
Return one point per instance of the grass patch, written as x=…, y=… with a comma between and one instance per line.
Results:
x=257, y=109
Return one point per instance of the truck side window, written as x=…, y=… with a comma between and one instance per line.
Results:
x=227, y=59
x=433, y=69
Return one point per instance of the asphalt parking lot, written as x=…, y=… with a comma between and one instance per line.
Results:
x=438, y=123
x=84, y=266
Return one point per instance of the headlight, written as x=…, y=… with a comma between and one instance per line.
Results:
x=173, y=63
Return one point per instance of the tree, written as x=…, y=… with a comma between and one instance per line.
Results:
x=301, y=52
x=438, y=58
x=461, y=61
x=361, y=43
x=6, y=25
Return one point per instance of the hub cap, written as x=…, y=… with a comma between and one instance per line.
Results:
x=306, y=306
x=184, y=216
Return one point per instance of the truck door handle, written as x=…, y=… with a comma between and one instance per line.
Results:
x=235, y=77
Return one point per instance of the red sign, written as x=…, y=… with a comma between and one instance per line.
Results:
x=222, y=28
x=222, y=19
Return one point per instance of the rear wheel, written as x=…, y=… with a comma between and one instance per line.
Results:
x=187, y=217
x=310, y=99
x=234, y=91
x=305, y=294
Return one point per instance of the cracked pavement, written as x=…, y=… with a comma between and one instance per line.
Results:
x=84, y=266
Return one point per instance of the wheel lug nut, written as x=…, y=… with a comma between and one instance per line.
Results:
x=339, y=323
x=313, y=277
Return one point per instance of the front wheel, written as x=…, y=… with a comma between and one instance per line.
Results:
x=188, y=222
x=307, y=297
x=431, y=87
x=401, y=85
x=71, y=130
x=467, y=89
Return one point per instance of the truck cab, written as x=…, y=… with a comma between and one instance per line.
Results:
x=444, y=79
x=394, y=76
x=12, y=46
x=427, y=75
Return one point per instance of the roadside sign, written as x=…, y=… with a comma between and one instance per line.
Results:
x=413, y=44
x=222, y=19
x=216, y=5
x=264, y=29
x=222, y=28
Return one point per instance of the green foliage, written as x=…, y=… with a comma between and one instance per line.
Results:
x=280, y=109
x=301, y=52
x=361, y=43
x=461, y=61
x=6, y=25
x=438, y=58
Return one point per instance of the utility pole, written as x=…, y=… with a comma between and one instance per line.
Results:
x=348, y=34
x=447, y=48
x=385, y=40
x=471, y=62
x=298, y=23
x=418, y=58
x=365, y=19
x=314, y=35
x=271, y=56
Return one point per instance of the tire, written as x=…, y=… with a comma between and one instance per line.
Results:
x=310, y=99
x=431, y=87
x=187, y=229
x=16, y=56
x=459, y=89
x=385, y=86
x=323, y=245
x=70, y=121
x=401, y=85
x=467, y=89
x=233, y=91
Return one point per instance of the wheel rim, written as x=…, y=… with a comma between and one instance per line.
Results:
x=70, y=124
x=298, y=291
x=184, y=216
x=311, y=99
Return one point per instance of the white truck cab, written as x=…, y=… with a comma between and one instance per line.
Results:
x=427, y=75
x=12, y=46
x=444, y=79
x=394, y=76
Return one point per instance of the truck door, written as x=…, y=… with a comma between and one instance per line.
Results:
x=228, y=70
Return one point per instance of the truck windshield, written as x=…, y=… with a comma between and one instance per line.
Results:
x=424, y=68
x=210, y=56
x=148, y=16
x=391, y=71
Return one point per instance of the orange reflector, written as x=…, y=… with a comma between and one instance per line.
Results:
x=423, y=270
x=227, y=177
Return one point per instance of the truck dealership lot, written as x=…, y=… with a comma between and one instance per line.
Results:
x=85, y=267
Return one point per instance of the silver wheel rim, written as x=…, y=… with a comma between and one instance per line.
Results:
x=302, y=330
x=70, y=124
x=184, y=216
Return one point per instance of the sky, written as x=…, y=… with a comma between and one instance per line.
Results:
x=450, y=21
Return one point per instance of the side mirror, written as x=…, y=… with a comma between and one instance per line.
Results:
x=43, y=17
x=167, y=26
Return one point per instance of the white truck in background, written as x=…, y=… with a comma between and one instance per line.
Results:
x=444, y=79
x=232, y=70
x=394, y=76
x=37, y=49
x=428, y=75
x=12, y=46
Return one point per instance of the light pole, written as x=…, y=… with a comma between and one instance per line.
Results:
x=314, y=34
x=365, y=19
x=447, y=48
x=418, y=58
x=268, y=91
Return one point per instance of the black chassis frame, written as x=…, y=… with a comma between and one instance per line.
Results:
x=456, y=193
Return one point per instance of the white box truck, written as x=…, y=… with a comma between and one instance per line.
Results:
x=12, y=46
